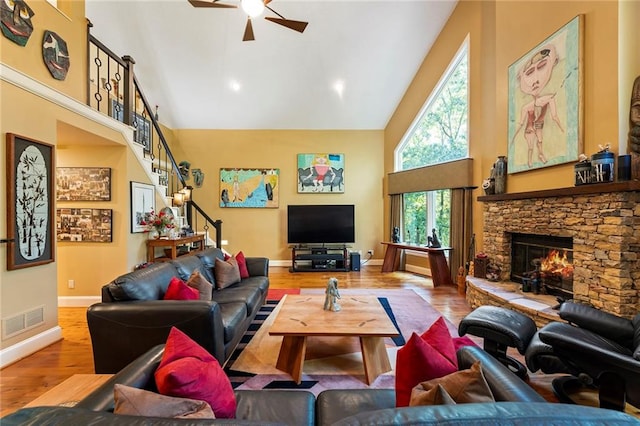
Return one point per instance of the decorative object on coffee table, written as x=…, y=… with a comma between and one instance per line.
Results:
x=331, y=296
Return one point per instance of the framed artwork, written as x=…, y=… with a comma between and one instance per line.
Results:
x=83, y=184
x=142, y=134
x=546, y=101
x=30, y=202
x=86, y=225
x=259, y=188
x=321, y=173
x=143, y=201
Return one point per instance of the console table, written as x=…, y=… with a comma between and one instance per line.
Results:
x=440, y=273
x=194, y=243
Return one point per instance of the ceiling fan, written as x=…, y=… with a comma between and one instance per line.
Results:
x=253, y=8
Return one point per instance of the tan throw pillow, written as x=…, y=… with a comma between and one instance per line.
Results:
x=462, y=386
x=140, y=402
x=226, y=272
x=200, y=283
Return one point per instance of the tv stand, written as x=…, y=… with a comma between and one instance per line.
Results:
x=319, y=258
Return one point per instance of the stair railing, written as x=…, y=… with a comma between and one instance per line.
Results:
x=113, y=89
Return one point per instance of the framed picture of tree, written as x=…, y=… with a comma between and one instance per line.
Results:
x=30, y=202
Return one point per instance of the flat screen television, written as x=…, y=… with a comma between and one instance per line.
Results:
x=321, y=224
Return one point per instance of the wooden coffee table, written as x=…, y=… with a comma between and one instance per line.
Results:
x=301, y=316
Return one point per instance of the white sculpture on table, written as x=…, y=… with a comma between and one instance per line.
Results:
x=331, y=296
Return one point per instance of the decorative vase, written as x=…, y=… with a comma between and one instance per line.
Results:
x=500, y=174
x=154, y=234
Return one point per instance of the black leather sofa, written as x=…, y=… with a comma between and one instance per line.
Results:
x=133, y=318
x=517, y=404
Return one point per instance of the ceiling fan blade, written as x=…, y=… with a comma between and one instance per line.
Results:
x=214, y=3
x=298, y=26
x=248, y=31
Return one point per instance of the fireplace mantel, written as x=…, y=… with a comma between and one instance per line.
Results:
x=597, y=188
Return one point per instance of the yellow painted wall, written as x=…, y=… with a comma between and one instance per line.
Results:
x=500, y=33
x=263, y=232
x=90, y=264
x=71, y=26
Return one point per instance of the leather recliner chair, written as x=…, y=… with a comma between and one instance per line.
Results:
x=597, y=348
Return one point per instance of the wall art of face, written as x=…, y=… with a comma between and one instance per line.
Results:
x=15, y=21
x=536, y=72
x=55, y=55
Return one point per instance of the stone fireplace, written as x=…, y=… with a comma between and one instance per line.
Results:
x=601, y=220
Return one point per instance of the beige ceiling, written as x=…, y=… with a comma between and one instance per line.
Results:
x=187, y=60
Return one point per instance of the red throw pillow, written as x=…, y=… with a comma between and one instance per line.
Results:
x=459, y=342
x=417, y=361
x=242, y=265
x=179, y=290
x=187, y=370
x=439, y=338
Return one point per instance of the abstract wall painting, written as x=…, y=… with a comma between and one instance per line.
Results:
x=320, y=173
x=545, y=101
x=257, y=188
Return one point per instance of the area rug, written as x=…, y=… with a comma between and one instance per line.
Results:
x=331, y=362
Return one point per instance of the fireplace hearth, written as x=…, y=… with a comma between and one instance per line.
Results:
x=543, y=264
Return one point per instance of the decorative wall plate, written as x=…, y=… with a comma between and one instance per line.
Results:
x=15, y=21
x=55, y=55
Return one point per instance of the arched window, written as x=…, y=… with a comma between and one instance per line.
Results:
x=440, y=131
x=438, y=134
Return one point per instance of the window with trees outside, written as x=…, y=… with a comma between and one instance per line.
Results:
x=439, y=134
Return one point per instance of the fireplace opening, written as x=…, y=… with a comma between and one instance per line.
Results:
x=543, y=264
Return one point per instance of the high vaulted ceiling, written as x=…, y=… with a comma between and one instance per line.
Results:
x=188, y=60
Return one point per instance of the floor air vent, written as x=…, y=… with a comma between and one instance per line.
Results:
x=22, y=322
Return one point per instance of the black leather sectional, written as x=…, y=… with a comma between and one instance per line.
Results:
x=516, y=404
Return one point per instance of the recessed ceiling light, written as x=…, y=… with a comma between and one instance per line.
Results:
x=338, y=86
x=235, y=85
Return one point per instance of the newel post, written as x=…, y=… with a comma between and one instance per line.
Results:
x=129, y=90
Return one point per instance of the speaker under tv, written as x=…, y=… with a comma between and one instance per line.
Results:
x=354, y=261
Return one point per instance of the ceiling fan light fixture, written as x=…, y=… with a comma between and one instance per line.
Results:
x=253, y=8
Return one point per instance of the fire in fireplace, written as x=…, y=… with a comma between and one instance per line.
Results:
x=543, y=264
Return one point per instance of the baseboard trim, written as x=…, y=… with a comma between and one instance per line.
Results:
x=77, y=301
x=29, y=346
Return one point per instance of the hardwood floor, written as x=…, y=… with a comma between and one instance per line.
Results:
x=27, y=379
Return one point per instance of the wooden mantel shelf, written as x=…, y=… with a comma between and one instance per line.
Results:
x=596, y=188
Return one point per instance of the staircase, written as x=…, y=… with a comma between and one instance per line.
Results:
x=113, y=89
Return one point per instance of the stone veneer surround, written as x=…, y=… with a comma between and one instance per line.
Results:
x=602, y=219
